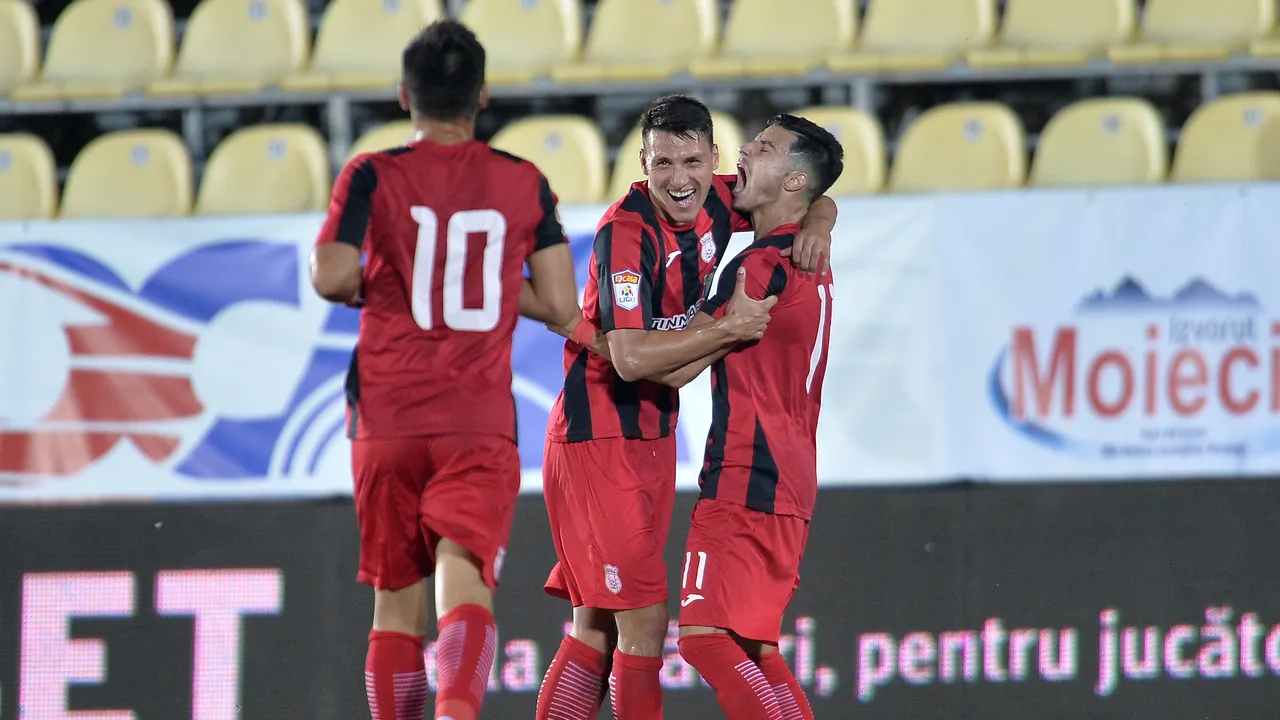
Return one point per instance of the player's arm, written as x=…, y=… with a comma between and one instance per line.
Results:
x=336, y=274
x=747, y=277
x=550, y=293
x=627, y=260
x=811, y=250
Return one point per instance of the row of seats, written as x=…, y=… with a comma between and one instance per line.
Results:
x=106, y=48
x=958, y=147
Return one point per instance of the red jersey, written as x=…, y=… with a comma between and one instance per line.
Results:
x=447, y=231
x=762, y=446
x=645, y=275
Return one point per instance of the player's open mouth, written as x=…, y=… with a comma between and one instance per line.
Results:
x=741, y=185
x=684, y=198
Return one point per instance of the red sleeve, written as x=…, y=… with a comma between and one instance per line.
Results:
x=626, y=258
x=548, y=232
x=766, y=276
x=347, y=220
x=741, y=223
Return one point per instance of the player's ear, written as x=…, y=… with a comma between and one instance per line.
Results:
x=484, y=97
x=715, y=156
x=795, y=181
x=403, y=96
x=644, y=165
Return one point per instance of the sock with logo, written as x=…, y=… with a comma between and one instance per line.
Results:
x=792, y=704
x=395, y=677
x=741, y=688
x=573, y=688
x=464, y=656
x=635, y=686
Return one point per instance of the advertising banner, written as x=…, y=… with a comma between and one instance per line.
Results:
x=1148, y=599
x=190, y=359
x=1129, y=333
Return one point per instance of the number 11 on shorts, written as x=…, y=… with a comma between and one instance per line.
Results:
x=699, y=575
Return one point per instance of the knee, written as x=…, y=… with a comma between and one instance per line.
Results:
x=643, y=631
x=401, y=611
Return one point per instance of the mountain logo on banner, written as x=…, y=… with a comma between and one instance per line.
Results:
x=1130, y=373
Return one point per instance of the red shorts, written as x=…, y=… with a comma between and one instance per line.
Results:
x=610, y=503
x=411, y=492
x=741, y=567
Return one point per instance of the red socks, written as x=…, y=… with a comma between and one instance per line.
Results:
x=741, y=688
x=792, y=703
x=573, y=688
x=636, y=686
x=395, y=677
x=464, y=657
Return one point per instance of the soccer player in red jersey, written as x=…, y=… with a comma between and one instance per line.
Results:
x=448, y=225
x=610, y=459
x=759, y=476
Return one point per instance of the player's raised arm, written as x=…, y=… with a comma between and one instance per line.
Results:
x=627, y=262
x=811, y=249
x=335, y=261
x=550, y=293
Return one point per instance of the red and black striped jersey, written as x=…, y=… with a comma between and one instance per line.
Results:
x=645, y=275
x=762, y=446
x=447, y=230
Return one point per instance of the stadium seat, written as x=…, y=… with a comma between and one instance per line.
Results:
x=895, y=38
x=626, y=166
x=863, y=140
x=104, y=49
x=523, y=39
x=130, y=174
x=813, y=30
x=1233, y=139
x=359, y=43
x=1047, y=33
x=961, y=147
x=28, y=178
x=1197, y=30
x=1102, y=142
x=383, y=137
x=643, y=40
x=19, y=44
x=238, y=46
x=570, y=151
x=266, y=169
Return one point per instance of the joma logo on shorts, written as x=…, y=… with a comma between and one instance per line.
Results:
x=679, y=322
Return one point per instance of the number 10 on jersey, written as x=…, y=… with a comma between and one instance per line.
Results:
x=461, y=225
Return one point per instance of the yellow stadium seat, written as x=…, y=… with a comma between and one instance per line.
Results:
x=28, y=178
x=104, y=49
x=238, y=46
x=130, y=174
x=266, y=169
x=522, y=39
x=643, y=40
x=383, y=137
x=1102, y=142
x=813, y=29
x=19, y=44
x=918, y=35
x=1197, y=30
x=1047, y=33
x=568, y=149
x=359, y=44
x=863, y=140
x=961, y=147
x=626, y=167
x=1233, y=139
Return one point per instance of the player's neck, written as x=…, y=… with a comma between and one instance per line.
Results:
x=444, y=132
x=771, y=217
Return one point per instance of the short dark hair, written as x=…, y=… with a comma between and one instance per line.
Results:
x=679, y=115
x=816, y=149
x=444, y=71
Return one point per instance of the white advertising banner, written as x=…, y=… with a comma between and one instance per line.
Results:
x=189, y=359
x=1121, y=334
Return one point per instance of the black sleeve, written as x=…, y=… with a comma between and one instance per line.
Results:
x=549, y=232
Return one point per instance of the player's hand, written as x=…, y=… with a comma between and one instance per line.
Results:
x=746, y=319
x=810, y=252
